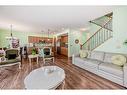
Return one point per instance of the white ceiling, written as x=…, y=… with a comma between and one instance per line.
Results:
x=37, y=18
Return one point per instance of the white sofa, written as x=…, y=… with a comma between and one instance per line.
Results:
x=100, y=63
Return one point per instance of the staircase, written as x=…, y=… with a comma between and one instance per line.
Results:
x=101, y=35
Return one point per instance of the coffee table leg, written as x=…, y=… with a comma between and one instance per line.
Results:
x=63, y=84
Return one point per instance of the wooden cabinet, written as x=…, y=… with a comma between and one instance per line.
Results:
x=34, y=39
x=64, y=39
x=64, y=51
x=37, y=39
x=63, y=45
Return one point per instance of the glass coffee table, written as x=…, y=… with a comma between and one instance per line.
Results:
x=47, y=77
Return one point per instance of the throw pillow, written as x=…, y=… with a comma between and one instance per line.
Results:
x=83, y=53
x=119, y=60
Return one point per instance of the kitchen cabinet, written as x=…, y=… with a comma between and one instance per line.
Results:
x=35, y=39
x=64, y=51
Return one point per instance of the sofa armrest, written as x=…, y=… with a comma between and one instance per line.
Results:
x=73, y=57
x=76, y=55
x=125, y=74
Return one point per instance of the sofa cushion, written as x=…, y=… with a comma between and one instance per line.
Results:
x=83, y=53
x=119, y=60
x=79, y=60
x=97, y=55
x=111, y=68
x=91, y=62
x=108, y=56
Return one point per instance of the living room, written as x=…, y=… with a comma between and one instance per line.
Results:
x=70, y=51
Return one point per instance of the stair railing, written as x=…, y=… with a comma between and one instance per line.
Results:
x=99, y=37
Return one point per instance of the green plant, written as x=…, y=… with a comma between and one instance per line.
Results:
x=33, y=51
x=125, y=42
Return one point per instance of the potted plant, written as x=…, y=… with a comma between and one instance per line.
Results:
x=33, y=51
x=125, y=42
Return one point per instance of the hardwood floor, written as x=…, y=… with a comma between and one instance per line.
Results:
x=76, y=78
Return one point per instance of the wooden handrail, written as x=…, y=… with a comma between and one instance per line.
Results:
x=109, y=15
x=97, y=31
x=100, y=25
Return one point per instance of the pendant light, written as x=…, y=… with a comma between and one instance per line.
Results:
x=11, y=30
x=48, y=35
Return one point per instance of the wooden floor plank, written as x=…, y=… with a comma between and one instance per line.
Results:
x=76, y=78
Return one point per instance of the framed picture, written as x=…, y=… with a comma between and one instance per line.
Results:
x=76, y=41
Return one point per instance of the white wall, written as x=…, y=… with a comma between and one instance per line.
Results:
x=74, y=34
x=119, y=33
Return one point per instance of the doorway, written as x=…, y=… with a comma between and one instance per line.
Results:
x=62, y=44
